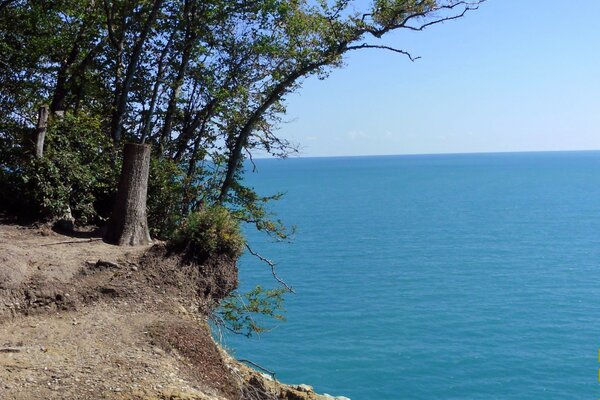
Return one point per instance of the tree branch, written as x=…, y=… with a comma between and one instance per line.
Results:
x=109, y=24
x=468, y=6
x=271, y=264
x=257, y=366
x=383, y=47
x=251, y=159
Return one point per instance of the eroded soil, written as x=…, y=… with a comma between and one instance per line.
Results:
x=82, y=319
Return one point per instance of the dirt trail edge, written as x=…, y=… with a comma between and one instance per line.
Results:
x=81, y=319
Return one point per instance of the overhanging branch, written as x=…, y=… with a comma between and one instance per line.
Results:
x=383, y=47
x=271, y=264
x=467, y=6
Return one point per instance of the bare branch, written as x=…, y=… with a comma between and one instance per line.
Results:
x=254, y=169
x=272, y=265
x=383, y=47
x=468, y=6
x=72, y=242
x=258, y=366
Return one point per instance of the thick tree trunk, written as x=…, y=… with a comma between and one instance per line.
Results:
x=128, y=225
x=241, y=141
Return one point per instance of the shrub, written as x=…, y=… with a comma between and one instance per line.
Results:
x=78, y=172
x=210, y=231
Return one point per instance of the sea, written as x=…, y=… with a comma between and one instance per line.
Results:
x=467, y=276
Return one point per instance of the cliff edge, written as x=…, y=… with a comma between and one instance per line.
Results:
x=81, y=319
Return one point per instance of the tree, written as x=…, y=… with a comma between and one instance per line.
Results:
x=313, y=39
x=203, y=82
x=128, y=224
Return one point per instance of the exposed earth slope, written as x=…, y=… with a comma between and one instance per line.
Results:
x=81, y=319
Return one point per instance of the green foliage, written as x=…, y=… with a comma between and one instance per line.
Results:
x=394, y=12
x=210, y=231
x=244, y=314
x=252, y=208
x=78, y=172
x=206, y=84
x=167, y=197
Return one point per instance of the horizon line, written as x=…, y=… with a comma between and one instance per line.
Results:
x=429, y=154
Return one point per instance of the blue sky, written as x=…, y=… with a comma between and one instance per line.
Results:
x=512, y=76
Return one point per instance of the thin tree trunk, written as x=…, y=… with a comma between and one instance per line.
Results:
x=147, y=127
x=200, y=119
x=235, y=154
x=181, y=71
x=241, y=141
x=121, y=101
x=128, y=225
x=40, y=131
x=60, y=89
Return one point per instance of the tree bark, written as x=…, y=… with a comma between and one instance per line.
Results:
x=235, y=153
x=128, y=225
x=40, y=131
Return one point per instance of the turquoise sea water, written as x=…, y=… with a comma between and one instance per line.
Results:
x=436, y=277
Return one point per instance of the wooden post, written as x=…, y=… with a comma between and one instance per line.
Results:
x=40, y=131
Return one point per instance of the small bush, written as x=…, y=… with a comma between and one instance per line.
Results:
x=78, y=172
x=210, y=231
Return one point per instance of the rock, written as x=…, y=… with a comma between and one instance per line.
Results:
x=158, y=351
x=266, y=376
x=305, y=388
x=104, y=264
x=182, y=310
